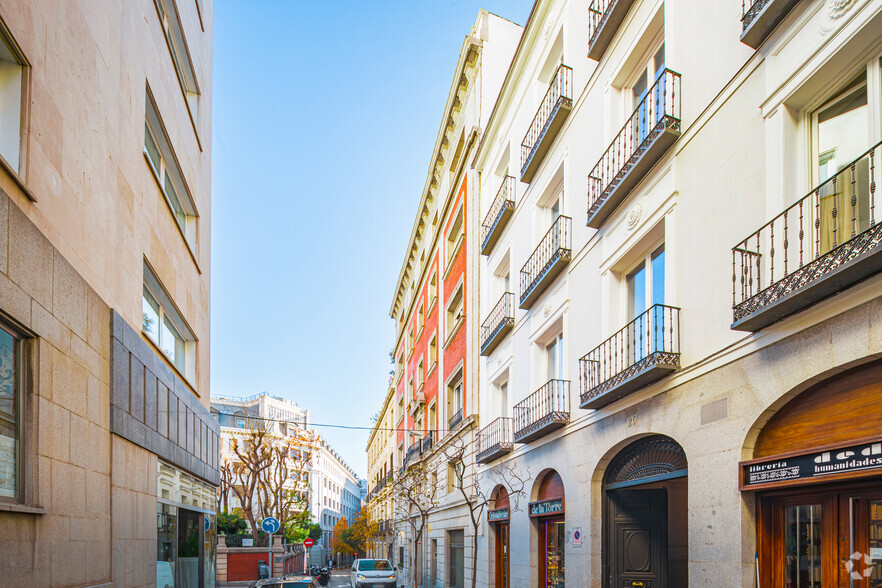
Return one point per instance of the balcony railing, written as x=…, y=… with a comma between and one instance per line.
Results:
x=604, y=19
x=498, y=323
x=413, y=452
x=553, y=110
x=500, y=211
x=495, y=440
x=760, y=17
x=455, y=420
x=427, y=442
x=651, y=129
x=543, y=411
x=828, y=240
x=645, y=350
x=549, y=258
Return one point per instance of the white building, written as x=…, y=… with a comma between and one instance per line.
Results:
x=333, y=488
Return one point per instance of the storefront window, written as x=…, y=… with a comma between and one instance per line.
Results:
x=554, y=550
x=802, y=545
x=166, y=554
x=457, y=558
x=875, y=544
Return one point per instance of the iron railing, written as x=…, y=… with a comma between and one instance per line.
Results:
x=659, y=110
x=630, y=350
x=548, y=404
x=495, y=437
x=554, y=245
x=427, y=442
x=598, y=12
x=504, y=200
x=455, y=420
x=824, y=229
x=501, y=315
x=560, y=92
x=749, y=10
x=413, y=452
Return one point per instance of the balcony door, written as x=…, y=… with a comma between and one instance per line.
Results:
x=648, y=111
x=646, y=288
x=554, y=358
x=841, y=135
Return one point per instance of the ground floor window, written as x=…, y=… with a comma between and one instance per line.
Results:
x=554, y=561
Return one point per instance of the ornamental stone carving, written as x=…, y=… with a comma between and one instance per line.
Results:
x=633, y=218
x=837, y=8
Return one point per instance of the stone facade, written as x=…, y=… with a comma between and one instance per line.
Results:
x=81, y=216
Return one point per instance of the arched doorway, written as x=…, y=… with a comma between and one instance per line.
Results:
x=645, y=539
x=498, y=517
x=817, y=474
x=547, y=513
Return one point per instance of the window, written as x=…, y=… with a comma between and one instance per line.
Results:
x=454, y=476
x=174, y=35
x=433, y=289
x=240, y=423
x=410, y=342
x=164, y=165
x=454, y=395
x=11, y=413
x=455, y=235
x=433, y=351
x=421, y=319
x=648, y=112
x=646, y=288
x=421, y=377
x=503, y=399
x=454, y=311
x=163, y=324
x=554, y=360
x=12, y=88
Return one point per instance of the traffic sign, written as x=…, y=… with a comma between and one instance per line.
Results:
x=270, y=524
x=207, y=523
x=308, y=542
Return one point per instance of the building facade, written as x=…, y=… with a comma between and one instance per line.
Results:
x=108, y=454
x=431, y=409
x=685, y=371
x=330, y=489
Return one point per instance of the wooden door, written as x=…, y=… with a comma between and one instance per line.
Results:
x=502, y=563
x=551, y=552
x=638, y=536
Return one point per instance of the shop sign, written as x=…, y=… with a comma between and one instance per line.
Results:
x=500, y=514
x=811, y=466
x=546, y=507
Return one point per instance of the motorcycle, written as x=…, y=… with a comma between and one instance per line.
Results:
x=323, y=576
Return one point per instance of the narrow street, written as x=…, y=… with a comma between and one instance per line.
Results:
x=339, y=578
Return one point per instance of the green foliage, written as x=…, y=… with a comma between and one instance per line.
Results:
x=230, y=524
x=298, y=530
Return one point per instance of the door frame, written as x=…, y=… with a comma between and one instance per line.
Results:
x=498, y=542
x=607, y=537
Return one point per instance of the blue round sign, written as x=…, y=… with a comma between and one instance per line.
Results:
x=207, y=523
x=270, y=524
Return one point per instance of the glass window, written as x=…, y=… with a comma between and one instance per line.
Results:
x=456, y=541
x=11, y=87
x=164, y=326
x=555, y=541
x=554, y=358
x=180, y=56
x=10, y=398
x=802, y=545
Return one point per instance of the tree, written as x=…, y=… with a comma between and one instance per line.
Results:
x=268, y=474
x=230, y=524
x=415, y=498
x=475, y=497
x=361, y=532
x=338, y=543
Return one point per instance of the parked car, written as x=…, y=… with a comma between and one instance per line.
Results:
x=372, y=573
x=296, y=581
x=165, y=577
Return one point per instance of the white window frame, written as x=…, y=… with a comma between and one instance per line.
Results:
x=173, y=32
x=15, y=100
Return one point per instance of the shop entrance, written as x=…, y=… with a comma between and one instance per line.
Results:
x=645, y=540
x=547, y=513
x=499, y=517
x=823, y=538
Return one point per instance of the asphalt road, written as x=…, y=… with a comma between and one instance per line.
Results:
x=339, y=579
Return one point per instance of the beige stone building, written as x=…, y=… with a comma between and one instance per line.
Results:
x=108, y=454
x=688, y=374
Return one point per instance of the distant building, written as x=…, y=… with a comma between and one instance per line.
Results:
x=332, y=487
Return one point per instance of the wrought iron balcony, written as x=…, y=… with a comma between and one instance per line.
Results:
x=824, y=243
x=651, y=129
x=553, y=111
x=497, y=217
x=604, y=19
x=760, y=17
x=413, y=452
x=543, y=411
x=548, y=259
x=427, y=442
x=498, y=324
x=455, y=420
x=495, y=440
x=645, y=350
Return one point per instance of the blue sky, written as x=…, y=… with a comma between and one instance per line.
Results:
x=324, y=119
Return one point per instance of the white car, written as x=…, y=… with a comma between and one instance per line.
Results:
x=372, y=573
